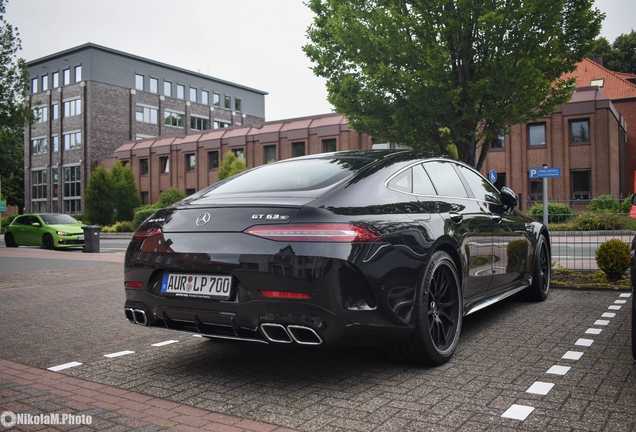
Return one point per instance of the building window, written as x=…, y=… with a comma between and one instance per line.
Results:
x=269, y=153
x=144, y=198
x=78, y=73
x=237, y=104
x=45, y=83
x=39, y=185
x=228, y=102
x=205, y=97
x=143, y=167
x=72, y=140
x=239, y=153
x=72, y=188
x=193, y=94
x=167, y=88
x=41, y=114
x=190, y=162
x=146, y=114
x=54, y=188
x=216, y=99
x=535, y=189
x=164, y=163
x=501, y=181
x=139, y=82
x=72, y=108
x=189, y=192
x=34, y=85
x=499, y=142
x=199, y=123
x=154, y=85
x=213, y=160
x=536, y=134
x=298, y=149
x=329, y=145
x=55, y=79
x=171, y=118
x=579, y=131
x=219, y=124
x=39, y=146
x=55, y=108
x=66, y=76
x=599, y=82
x=55, y=144
x=581, y=184
x=180, y=91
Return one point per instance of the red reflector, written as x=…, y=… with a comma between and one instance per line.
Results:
x=284, y=294
x=143, y=234
x=344, y=233
x=133, y=284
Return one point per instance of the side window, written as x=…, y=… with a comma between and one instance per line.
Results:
x=482, y=189
x=445, y=179
x=402, y=182
x=422, y=184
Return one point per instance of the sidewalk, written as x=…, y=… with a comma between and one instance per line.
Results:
x=28, y=390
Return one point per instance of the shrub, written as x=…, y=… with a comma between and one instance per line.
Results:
x=143, y=214
x=230, y=166
x=604, y=204
x=557, y=213
x=6, y=221
x=599, y=221
x=626, y=205
x=169, y=197
x=612, y=257
x=125, y=226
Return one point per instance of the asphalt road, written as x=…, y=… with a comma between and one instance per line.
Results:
x=574, y=358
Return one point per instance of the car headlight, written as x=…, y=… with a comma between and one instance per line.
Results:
x=62, y=233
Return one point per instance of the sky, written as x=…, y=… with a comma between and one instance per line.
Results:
x=255, y=43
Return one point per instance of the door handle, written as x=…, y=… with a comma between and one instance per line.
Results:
x=456, y=217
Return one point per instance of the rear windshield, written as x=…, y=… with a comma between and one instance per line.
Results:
x=292, y=175
x=56, y=219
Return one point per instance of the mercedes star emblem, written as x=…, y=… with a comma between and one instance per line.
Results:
x=203, y=219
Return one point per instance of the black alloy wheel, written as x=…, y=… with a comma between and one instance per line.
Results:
x=439, y=315
x=47, y=242
x=541, y=272
x=9, y=240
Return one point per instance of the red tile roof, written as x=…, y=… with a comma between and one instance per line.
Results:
x=615, y=84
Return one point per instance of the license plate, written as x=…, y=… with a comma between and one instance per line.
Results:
x=217, y=287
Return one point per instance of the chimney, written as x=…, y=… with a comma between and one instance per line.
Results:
x=598, y=60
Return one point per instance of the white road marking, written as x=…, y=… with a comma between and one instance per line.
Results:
x=608, y=315
x=572, y=355
x=518, y=412
x=601, y=322
x=620, y=302
x=64, y=366
x=626, y=295
x=584, y=342
x=558, y=370
x=615, y=307
x=168, y=342
x=118, y=354
x=540, y=388
x=593, y=331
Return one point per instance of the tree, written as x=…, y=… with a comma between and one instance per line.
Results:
x=429, y=73
x=14, y=114
x=169, y=197
x=620, y=56
x=99, y=197
x=231, y=165
x=126, y=196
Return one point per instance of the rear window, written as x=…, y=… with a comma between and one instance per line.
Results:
x=292, y=175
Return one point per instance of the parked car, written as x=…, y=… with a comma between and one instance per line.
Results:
x=381, y=248
x=49, y=230
x=633, y=273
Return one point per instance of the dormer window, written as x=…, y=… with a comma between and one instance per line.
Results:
x=597, y=82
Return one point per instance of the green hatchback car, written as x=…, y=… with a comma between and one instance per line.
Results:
x=49, y=230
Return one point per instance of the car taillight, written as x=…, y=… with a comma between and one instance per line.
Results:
x=144, y=233
x=134, y=284
x=325, y=232
x=284, y=294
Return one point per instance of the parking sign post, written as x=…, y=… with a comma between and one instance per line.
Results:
x=545, y=173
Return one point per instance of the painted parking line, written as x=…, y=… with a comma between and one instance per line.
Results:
x=614, y=307
x=168, y=342
x=620, y=302
x=625, y=295
x=540, y=388
x=119, y=354
x=593, y=331
x=558, y=370
x=518, y=412
x=572, y=355
x=608, y=315
x=584, y=342
x=64, y=366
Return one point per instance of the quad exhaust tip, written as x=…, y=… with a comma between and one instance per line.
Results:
x=136, y=316
x=292, y=333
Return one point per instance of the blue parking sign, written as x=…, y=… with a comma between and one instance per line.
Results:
x=492, y=176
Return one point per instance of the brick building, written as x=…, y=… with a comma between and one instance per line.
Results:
x=585, y=138
x=90, y=99
x=190, y=162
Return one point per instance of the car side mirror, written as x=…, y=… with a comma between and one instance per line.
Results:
x=508, y=197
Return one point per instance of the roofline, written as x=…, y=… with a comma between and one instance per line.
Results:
x=90, y=45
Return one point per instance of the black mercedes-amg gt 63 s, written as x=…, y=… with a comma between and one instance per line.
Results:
x=380, y=248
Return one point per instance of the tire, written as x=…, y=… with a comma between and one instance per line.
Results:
x=439, y=316
x=47, y=242
x=541, y=272
x=9, y=240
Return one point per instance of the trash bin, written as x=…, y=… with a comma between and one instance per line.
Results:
x=91, y=238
